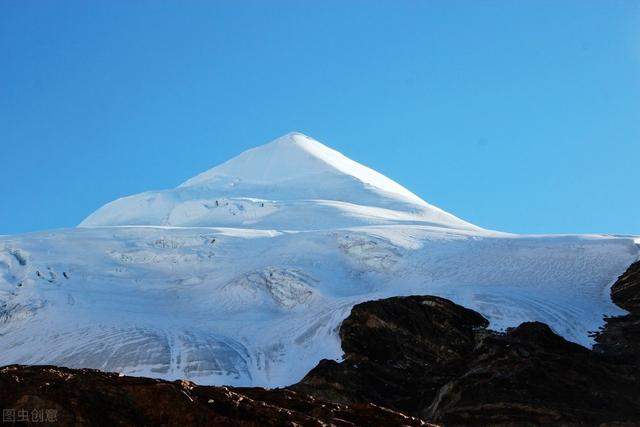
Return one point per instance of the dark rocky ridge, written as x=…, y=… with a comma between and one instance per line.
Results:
x=398, y=352
x=626, y=291
x=620, y=337
x=91, y=397
x=422, y=356
x=429, y=357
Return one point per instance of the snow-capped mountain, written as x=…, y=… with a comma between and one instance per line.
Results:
x=292, y=183
x=242, y=274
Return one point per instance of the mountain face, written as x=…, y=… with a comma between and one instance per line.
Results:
x=292, y=183
x=243, y=274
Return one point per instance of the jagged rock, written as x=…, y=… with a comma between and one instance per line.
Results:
x=435, y=359
x=531, y=375
x=619, y=339
x=395, y=350
x=90, y=397
x=626, y=291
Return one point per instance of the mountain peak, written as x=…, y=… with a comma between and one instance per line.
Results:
x=287, y=157
x=292, y=182
x=294, y=156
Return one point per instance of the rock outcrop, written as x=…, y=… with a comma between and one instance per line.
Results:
x=61, y=396
x=429, y=357
x=531, y=375
x=398, y=352
x=620, y=337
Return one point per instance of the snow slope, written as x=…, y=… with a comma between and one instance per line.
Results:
x=294, y=182
x=243, y=274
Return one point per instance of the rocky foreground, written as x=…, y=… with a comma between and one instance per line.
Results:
x=408, y=361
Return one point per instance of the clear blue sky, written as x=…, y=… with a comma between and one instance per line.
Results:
x=522, y=116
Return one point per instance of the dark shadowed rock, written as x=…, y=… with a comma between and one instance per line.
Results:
x=90, y=397
x=435, y=359
x=626, y=291
x=396, y=351
x=530, y=374
x=619, y=339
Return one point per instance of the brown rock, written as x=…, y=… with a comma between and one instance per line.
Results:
x=532, y=375
x=435, y=359
x=396, y=351
x=90, y=397
x=626, y=291
x=620, y=337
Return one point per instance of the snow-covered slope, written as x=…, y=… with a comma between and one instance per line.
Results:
x=242, y=274
x=293, y=183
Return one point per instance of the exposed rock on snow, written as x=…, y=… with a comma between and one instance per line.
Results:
x=287, y=288
x=367, y=253
x=620, y=337
x=15, y=312
x=626, y=291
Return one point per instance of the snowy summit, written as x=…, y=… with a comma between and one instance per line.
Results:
x=242, y=274
x=293, y=182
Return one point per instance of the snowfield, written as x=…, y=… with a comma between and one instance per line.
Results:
x=242, y=275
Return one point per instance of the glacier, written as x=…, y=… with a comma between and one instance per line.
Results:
x=242, y=275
